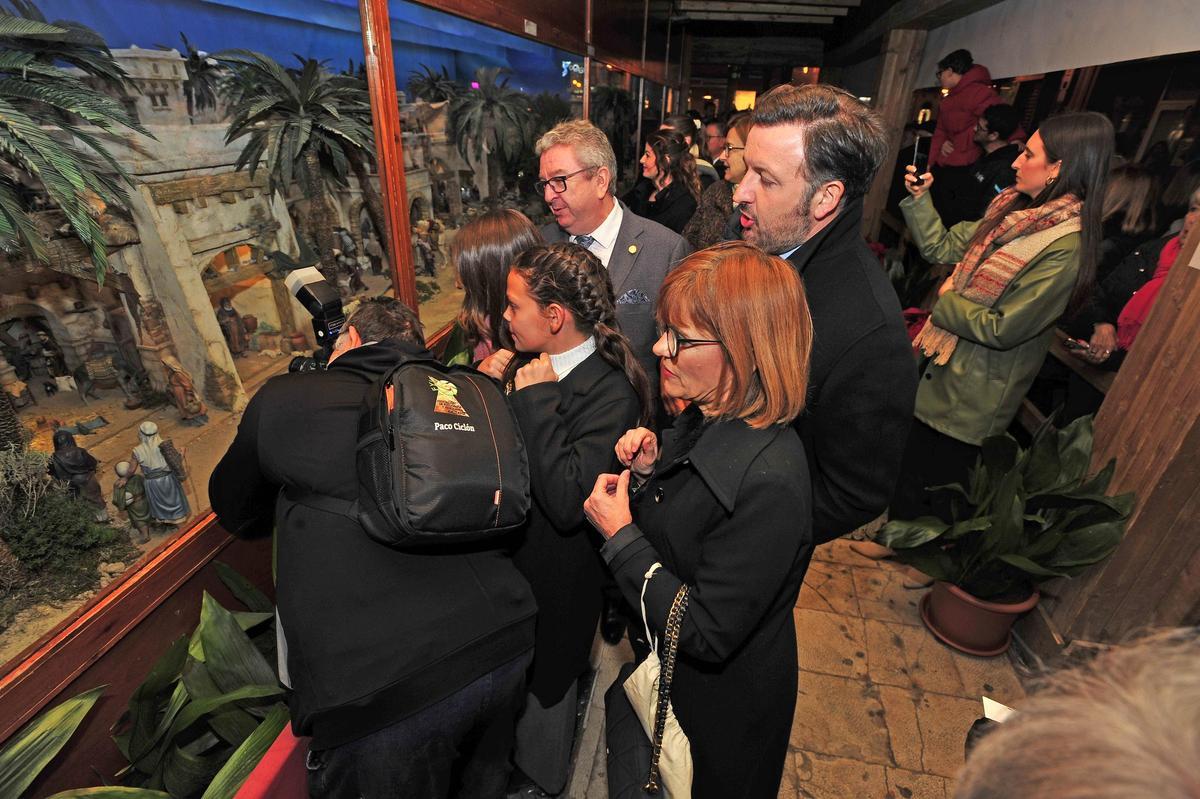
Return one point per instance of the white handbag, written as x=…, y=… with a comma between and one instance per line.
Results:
x=649, y=691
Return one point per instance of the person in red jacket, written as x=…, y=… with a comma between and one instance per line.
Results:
x=953, y=149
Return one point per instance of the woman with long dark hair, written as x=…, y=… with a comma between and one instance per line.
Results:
x=675, y=186
x=1030, y=259
x=481, y=253
x=579, y=388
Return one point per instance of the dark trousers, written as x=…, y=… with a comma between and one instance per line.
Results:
x=457, y=747
x=930, y=459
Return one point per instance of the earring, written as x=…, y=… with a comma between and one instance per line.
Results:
x=1050, y=181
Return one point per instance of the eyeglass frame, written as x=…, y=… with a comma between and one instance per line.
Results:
x=729, y=148
x=683, y=342
x=540, y=186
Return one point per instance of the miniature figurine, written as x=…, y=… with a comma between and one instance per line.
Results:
x=76, y=466
x=164, y=491
x=182, y=390
x=129, y=495
x=233, y=327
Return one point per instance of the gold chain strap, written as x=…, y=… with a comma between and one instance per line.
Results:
x=674, y=621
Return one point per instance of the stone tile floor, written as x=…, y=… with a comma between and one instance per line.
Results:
x=883, y=708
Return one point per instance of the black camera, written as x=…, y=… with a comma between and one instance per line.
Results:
x=321, y=300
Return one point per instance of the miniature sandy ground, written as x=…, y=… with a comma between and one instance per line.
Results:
x=882, y=709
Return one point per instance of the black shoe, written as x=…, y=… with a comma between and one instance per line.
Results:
x=612, y=621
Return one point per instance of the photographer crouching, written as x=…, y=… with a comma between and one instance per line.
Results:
x=407, y=666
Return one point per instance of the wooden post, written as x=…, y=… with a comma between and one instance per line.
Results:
x=389, y=150
x=893, y=100
x=1150, y=422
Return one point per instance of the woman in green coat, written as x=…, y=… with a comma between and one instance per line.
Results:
x=1032, y=257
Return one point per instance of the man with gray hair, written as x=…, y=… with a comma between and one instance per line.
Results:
x=577, y=178
x=810, y=158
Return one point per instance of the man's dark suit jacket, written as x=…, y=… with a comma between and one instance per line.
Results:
x=643, y=254
x=863, y=383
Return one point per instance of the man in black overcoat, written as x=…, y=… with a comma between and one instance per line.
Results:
x=810, y=158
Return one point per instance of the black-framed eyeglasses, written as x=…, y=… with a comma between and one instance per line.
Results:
x=558, y=183
x=676, y=342
x=729, y=148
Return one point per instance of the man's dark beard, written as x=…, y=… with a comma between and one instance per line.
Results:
x=794, y=238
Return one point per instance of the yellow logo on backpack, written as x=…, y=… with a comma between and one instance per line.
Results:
x=445, y=402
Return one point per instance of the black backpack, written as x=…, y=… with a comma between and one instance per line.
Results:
x=440, y=459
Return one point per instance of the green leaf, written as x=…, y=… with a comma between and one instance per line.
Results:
x=899, y=534
x=186, y=774
x=1087, y=545
x=145, y=704
x=233, y=725
x=977, y=524
x=198, y=708
x=231, y=658
x=111, y=792
x=999, y=453
x=231, y=776
x=27, y=753
x=1028, y=566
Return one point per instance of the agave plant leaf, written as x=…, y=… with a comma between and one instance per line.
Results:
x=146, y=753
x=27, y=753
x=199, y=708
x=231, y=776
x=234, y=724
x=142, y=715
x=231, y=658
x=906, y=535
x=111, y=792
x=186, y=774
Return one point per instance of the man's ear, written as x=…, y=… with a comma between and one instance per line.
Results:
x=353, y=339
x=603, y=181
x=827, y=200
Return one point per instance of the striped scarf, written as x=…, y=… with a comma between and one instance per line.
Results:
x=990, y=265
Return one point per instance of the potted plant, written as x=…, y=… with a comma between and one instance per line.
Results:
x=1026, y=516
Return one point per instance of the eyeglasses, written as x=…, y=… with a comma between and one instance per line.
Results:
x=676, y=342
x=729, y=148
x=558, y=183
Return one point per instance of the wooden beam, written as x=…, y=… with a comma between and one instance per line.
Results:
x=1150, y=423
x=765, y=51
x=762, y=8
x=389, y=150
x=893, y=100
x=735, y=16
x=914, y=14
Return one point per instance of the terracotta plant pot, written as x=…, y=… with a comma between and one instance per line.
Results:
x=971, y=625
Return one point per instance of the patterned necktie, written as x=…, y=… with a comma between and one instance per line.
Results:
x=585, y=241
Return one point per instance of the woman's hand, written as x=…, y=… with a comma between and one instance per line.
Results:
x=947, y=147
x=608, y=506
x=638, y=449
x=910, y=181
x=495, y=364
x=536, y=371
x=1101, y=345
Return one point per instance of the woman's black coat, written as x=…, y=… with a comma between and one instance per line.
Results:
x=570, y=429
x=729, y=512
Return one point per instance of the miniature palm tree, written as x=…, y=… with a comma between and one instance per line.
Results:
x=433, y=87
x=69, y=166
x=203, y=78
x=492, y=120
x=299, y=125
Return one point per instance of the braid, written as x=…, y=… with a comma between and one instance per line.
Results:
x=574, y=278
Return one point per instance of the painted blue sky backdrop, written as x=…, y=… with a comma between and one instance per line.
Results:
x=323, y=29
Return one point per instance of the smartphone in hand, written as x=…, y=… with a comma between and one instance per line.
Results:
x=920, y=160
x=1076, y=344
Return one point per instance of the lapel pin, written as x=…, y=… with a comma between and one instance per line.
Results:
x=632, y=249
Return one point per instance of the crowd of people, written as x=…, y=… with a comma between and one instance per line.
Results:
x=712, y=376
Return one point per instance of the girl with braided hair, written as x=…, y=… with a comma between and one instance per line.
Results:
x=580, y=387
